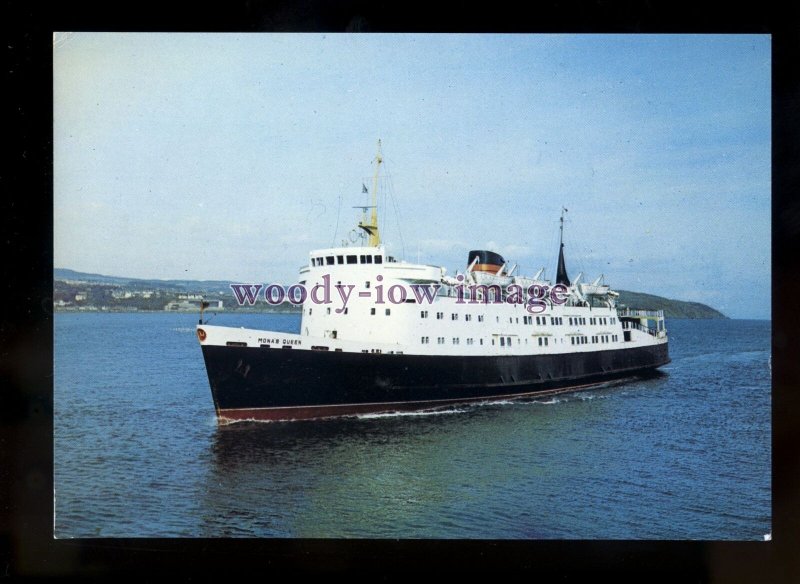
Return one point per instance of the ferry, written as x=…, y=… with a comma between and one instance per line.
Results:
x=397, y=336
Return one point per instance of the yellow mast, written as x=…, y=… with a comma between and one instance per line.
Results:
x=372, y=226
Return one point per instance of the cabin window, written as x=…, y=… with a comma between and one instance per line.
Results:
x=502, y=341
x=423, y=314
x=439, y=315
x=328, y=310
x=378, y=259
x=372, y=311
x=339, y=259
x=467, y=317
x=329, y=260
x=351, y=259
x=454, y=316
x=480, y=341
x=480, y=318
x=455, y=340
x=366, y=284
x=388, y=311
x=545, y=341
x=363, y=259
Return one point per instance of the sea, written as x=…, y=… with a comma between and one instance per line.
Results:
x=138, y=452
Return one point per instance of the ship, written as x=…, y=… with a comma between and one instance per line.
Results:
x=381, y=335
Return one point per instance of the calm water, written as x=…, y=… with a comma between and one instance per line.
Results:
x=138, y=451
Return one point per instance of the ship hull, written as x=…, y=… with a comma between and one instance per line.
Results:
x=251, y=383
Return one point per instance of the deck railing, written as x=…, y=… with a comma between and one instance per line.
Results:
x=641, y=313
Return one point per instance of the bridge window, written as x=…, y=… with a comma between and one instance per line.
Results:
x=339, y=259
x=351, y=259
x=329, y=260
x=378, y=259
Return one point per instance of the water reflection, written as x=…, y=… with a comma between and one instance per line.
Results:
x=453, y=473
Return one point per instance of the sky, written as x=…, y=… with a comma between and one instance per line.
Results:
x=231, y=156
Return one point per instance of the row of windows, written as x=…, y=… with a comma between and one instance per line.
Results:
x=504, y=341
x=578, y=340
x=441, y=341
x=604, y=339
x=554, y=320
x=349, y=259
x=540, y=320
x=347, y=311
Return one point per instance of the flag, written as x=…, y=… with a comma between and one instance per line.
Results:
x=364, y=188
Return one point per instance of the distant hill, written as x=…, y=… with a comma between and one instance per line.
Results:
x=671, y=308
x=220, y=286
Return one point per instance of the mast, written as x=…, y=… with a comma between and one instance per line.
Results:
x=372, y=227
x=561, y=271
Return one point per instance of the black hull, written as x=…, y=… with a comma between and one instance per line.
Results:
x=289, y=384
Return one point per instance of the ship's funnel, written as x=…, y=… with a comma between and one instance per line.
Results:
x=488, y=261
